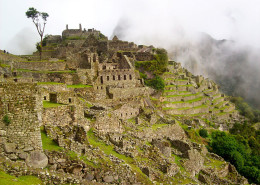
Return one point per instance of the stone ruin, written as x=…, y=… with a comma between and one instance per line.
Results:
x=87, y=81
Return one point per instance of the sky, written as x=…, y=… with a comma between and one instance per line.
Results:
x=156, y=22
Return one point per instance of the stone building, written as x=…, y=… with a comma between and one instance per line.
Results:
x=69, y=33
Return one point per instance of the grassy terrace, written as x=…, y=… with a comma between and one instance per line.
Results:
x=188, y=101
x=27, y=70
x=109, y=150
x=189, y=85
x=49, y=83
x=87, y=104
x=4, y=65
x=183, y=95
x=184, y=108
x=180, y=92
x=47, y=104
x=215, y=100
x=48, y=143
x=7, y=179
x=78, y=86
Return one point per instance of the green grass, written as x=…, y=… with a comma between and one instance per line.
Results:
x=156, y=126
x=47, y=104
x=189, y=85
x=182, y=95
x=6, y=179
x=215, y=163
x=48, y=143
x=109, y=150
x=78, y=86
x=180, y=92
x=4, y=65
x=87, y=104
x=185, y=108
x=48, y=83
x=188, y=101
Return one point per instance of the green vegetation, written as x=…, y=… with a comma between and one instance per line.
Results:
x=40, y=25
x=156, y=83
x=48, y=83
x=203, y=133
x=155, y=67
x=6, y=120
x=109, y=150
x=6, y=179
x=78, y=86
x=241, y=151
x=48, y=143
x=156, y=126
x=246, y=110
x=4, y=65
x=87, y=104
x=47, y=104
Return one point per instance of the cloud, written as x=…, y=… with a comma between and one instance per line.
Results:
x=23, y=43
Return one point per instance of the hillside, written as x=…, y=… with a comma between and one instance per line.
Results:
x=99, y=111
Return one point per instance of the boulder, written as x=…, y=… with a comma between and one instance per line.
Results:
x=23, y=155
x=53, y=167
x=89, y=177
x=9, y=148
x=13, y=157
x=37, y=159
x=2, y=133
x=75, y=169
x=28, y=148
x=108, y=179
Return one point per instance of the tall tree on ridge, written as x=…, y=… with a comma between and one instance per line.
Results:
x=35, y=16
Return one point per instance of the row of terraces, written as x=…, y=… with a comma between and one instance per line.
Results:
x=193, y=96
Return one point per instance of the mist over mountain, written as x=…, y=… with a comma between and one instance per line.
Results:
x=235, y=68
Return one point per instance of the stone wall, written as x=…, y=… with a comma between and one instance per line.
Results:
x=143, y=56
x=59, y=116
x=126, y=112
x=61, y=77
x=19, y=103
x=117, y=78
x=40, y=66
x=123, y=93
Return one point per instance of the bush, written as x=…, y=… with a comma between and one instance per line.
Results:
x=203, y=133
x=6, y=120
x=157, y=83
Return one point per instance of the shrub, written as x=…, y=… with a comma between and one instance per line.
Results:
x=203, y=133
x=157, y=83
x=6, y=120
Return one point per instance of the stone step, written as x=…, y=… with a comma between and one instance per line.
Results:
x=188, y=110
x=185, y=97
x=191, y=103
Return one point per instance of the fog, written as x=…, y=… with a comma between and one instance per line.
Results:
x=218, y=38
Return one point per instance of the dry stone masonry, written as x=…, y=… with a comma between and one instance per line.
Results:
x=106, y=124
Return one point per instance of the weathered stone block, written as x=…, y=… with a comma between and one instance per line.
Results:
x=37, y=159
x=9, y=147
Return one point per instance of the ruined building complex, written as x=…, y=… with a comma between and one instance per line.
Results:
x=88, y=85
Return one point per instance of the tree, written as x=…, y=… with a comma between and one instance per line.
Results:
x=35, y=16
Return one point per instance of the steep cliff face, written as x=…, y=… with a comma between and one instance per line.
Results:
x=101, y=123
